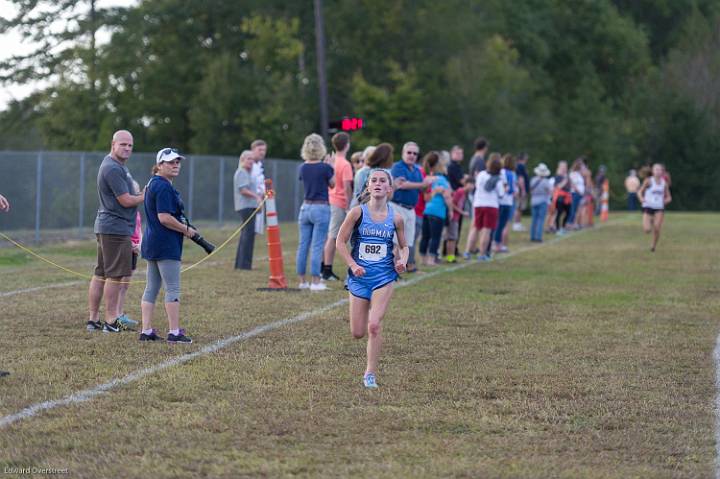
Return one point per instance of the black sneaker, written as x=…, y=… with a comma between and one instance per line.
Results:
x=114, y=327
x=180, y=338
x=150, y=337
x=94, y=326
x=4, y=373
x=328, y=275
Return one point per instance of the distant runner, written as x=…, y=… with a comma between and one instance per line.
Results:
x=654, y=195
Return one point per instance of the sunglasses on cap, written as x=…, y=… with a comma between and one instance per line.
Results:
x=167, y=151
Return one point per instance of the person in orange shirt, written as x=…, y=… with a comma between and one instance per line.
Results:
x=340, y=196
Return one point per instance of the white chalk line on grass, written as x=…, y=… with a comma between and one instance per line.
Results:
x=716, y=360
x=87, y=394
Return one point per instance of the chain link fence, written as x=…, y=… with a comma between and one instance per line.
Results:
x=54, y=193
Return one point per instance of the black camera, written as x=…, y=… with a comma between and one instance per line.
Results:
x=196, y=238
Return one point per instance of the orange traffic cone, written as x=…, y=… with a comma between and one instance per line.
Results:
x=277, y=272
x=604, y=201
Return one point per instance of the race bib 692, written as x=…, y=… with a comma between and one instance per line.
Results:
x=372, y=251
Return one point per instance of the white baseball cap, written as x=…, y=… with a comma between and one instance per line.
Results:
x=168, y=154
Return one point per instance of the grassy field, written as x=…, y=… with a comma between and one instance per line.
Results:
x=586, y=357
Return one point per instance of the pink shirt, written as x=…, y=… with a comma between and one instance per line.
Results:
x=137, y=234
x=343, y=173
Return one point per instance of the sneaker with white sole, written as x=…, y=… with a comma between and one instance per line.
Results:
x=114, y=327
x=304, y=286
x=318, y=287
x=369, y=381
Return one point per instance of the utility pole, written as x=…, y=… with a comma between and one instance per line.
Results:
x=322, y=80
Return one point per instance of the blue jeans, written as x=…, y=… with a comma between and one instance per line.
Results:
x=574, y=206
x=504, y=216
x=632, y=202
x=538, y=221
x=313, y=222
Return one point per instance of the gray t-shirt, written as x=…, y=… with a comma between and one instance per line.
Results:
x=540, y=190
x=244, y=179
x=114, y=180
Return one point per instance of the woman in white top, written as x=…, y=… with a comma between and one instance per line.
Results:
x=654, y=195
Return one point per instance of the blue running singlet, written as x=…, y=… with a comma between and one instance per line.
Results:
x=372, y=248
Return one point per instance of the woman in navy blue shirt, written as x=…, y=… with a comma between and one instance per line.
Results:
x=317, y=176
x=162, y=246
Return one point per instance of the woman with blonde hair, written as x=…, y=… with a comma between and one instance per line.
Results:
x=317, y=175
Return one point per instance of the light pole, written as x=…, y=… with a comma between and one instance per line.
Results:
x=322, y=80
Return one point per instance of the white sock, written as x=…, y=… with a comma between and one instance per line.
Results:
x=147, y=331
x=175, y=332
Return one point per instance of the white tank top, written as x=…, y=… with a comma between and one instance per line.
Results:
x=655, y=195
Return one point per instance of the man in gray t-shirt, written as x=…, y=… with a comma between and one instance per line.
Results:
x=114, y=224
x=247, y=198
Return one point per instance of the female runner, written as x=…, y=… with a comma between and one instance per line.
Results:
x=372, y=265
x=654, y=195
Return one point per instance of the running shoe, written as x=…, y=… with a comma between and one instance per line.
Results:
x=503, y=249
x=369, y=381
x=318, y=287
x=150, y=337
x=561, y=232
x=4, y=373
x=180, y=338
x=114, y=327
x=518, y=227
x=484, y=258
x=467, y=256
x=304, y=286
x=94, y=326
x=328, y=275
x=126, y=321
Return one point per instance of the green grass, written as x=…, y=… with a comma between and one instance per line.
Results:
x=587, y=357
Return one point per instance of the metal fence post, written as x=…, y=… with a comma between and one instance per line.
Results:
x=221, y=190
x=38, y=195
x=81, y=205
x=191, y=183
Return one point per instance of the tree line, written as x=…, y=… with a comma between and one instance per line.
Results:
x=622, y=82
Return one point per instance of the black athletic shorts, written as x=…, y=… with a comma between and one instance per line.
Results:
x=652, y=211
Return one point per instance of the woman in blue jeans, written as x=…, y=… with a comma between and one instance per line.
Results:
x=540, y=193
x=317, y=176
